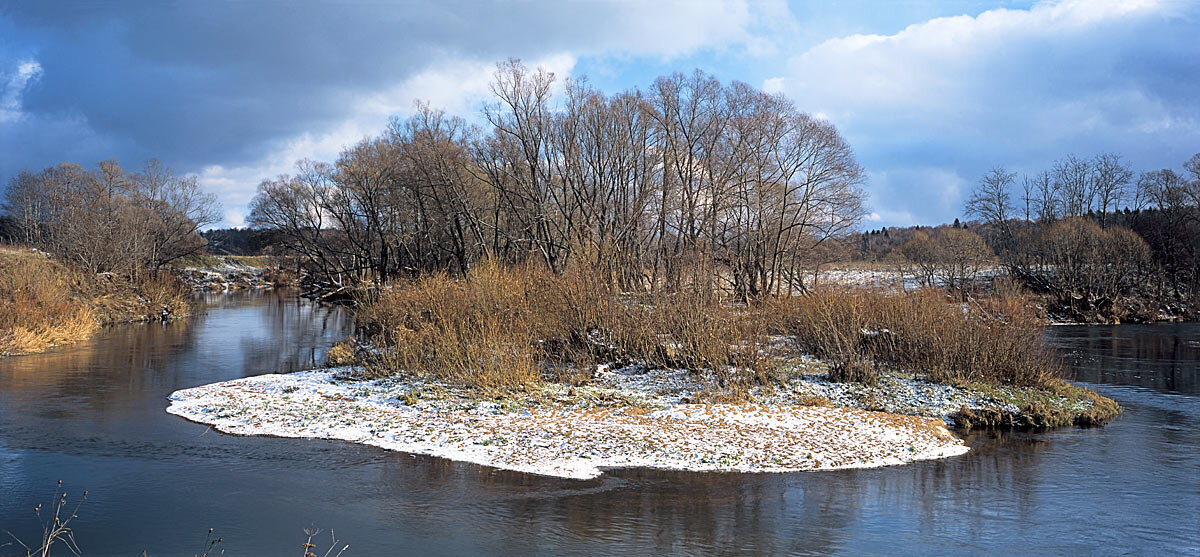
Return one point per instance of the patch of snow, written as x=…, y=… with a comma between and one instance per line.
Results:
x=571, y=439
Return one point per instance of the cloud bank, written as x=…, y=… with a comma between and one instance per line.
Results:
x=931, y=108
x=236, y=92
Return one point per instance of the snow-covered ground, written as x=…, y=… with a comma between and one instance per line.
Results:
x=886, y=277
x=625, y=418
x=226, y=274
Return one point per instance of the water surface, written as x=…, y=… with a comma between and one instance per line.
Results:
x=93, y=415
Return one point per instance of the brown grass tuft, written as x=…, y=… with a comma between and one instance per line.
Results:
x=38, y=305
x=507, y=327
x=343, y=353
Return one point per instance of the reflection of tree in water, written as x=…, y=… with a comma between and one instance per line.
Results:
x=94, y=366
x=295, y=334
x=124, y=365
x=960, y=498
x=1164, y=357
x=679, y=512
x=663, y=511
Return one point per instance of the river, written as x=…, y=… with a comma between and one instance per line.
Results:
x=93, y=416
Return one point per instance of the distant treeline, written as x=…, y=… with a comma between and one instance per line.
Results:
x=1100, y=241
x=689, y=181
x=240, y=241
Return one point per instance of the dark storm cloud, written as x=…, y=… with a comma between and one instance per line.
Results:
x=219, y=82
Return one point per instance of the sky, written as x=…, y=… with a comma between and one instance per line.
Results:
x=930, y=95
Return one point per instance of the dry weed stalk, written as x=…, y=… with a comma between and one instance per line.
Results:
x=308, y=545
x=56, y=527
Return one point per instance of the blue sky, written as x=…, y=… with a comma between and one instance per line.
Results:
x=930, y=94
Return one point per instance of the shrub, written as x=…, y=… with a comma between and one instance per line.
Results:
x=343, y=353
x=996, y=339
x=506, y=327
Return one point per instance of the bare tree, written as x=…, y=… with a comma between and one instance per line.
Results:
x=990, y=200
x=1075, y=186
x=1047, y=200
x=1028, y=196
x=694, y=183
x=516, y=161
x=107, y=220
x=1111, y=176
x=961, y=254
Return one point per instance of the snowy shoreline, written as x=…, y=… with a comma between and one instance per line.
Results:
x=631, y=419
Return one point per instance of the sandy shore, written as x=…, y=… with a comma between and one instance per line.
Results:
x=617, y=428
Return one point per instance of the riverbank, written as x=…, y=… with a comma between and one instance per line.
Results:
x=224, y=273
x=45, y=303
x=1055, y=309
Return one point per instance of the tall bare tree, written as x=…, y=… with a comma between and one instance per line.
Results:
x=1111, y=177
x=990, y=201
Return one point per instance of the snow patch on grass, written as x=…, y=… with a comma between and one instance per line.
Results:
x=630, y=418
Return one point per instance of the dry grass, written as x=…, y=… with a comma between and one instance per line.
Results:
x=343, y=353
x=45, y=303
x=476, y=332
x=509, y=327
x=38, y=304
x=858, y=331
x=118, y=300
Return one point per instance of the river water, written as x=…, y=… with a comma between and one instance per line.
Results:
x=93, y=415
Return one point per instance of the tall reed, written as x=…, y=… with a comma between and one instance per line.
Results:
x=506, y=327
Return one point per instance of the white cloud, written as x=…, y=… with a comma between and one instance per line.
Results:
x=238, y=99
x=457, y=87
x=673, y=28
x=930, y=108
x=901, y=193
x=774, y=85
x=927, y=64
x=14, y=84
